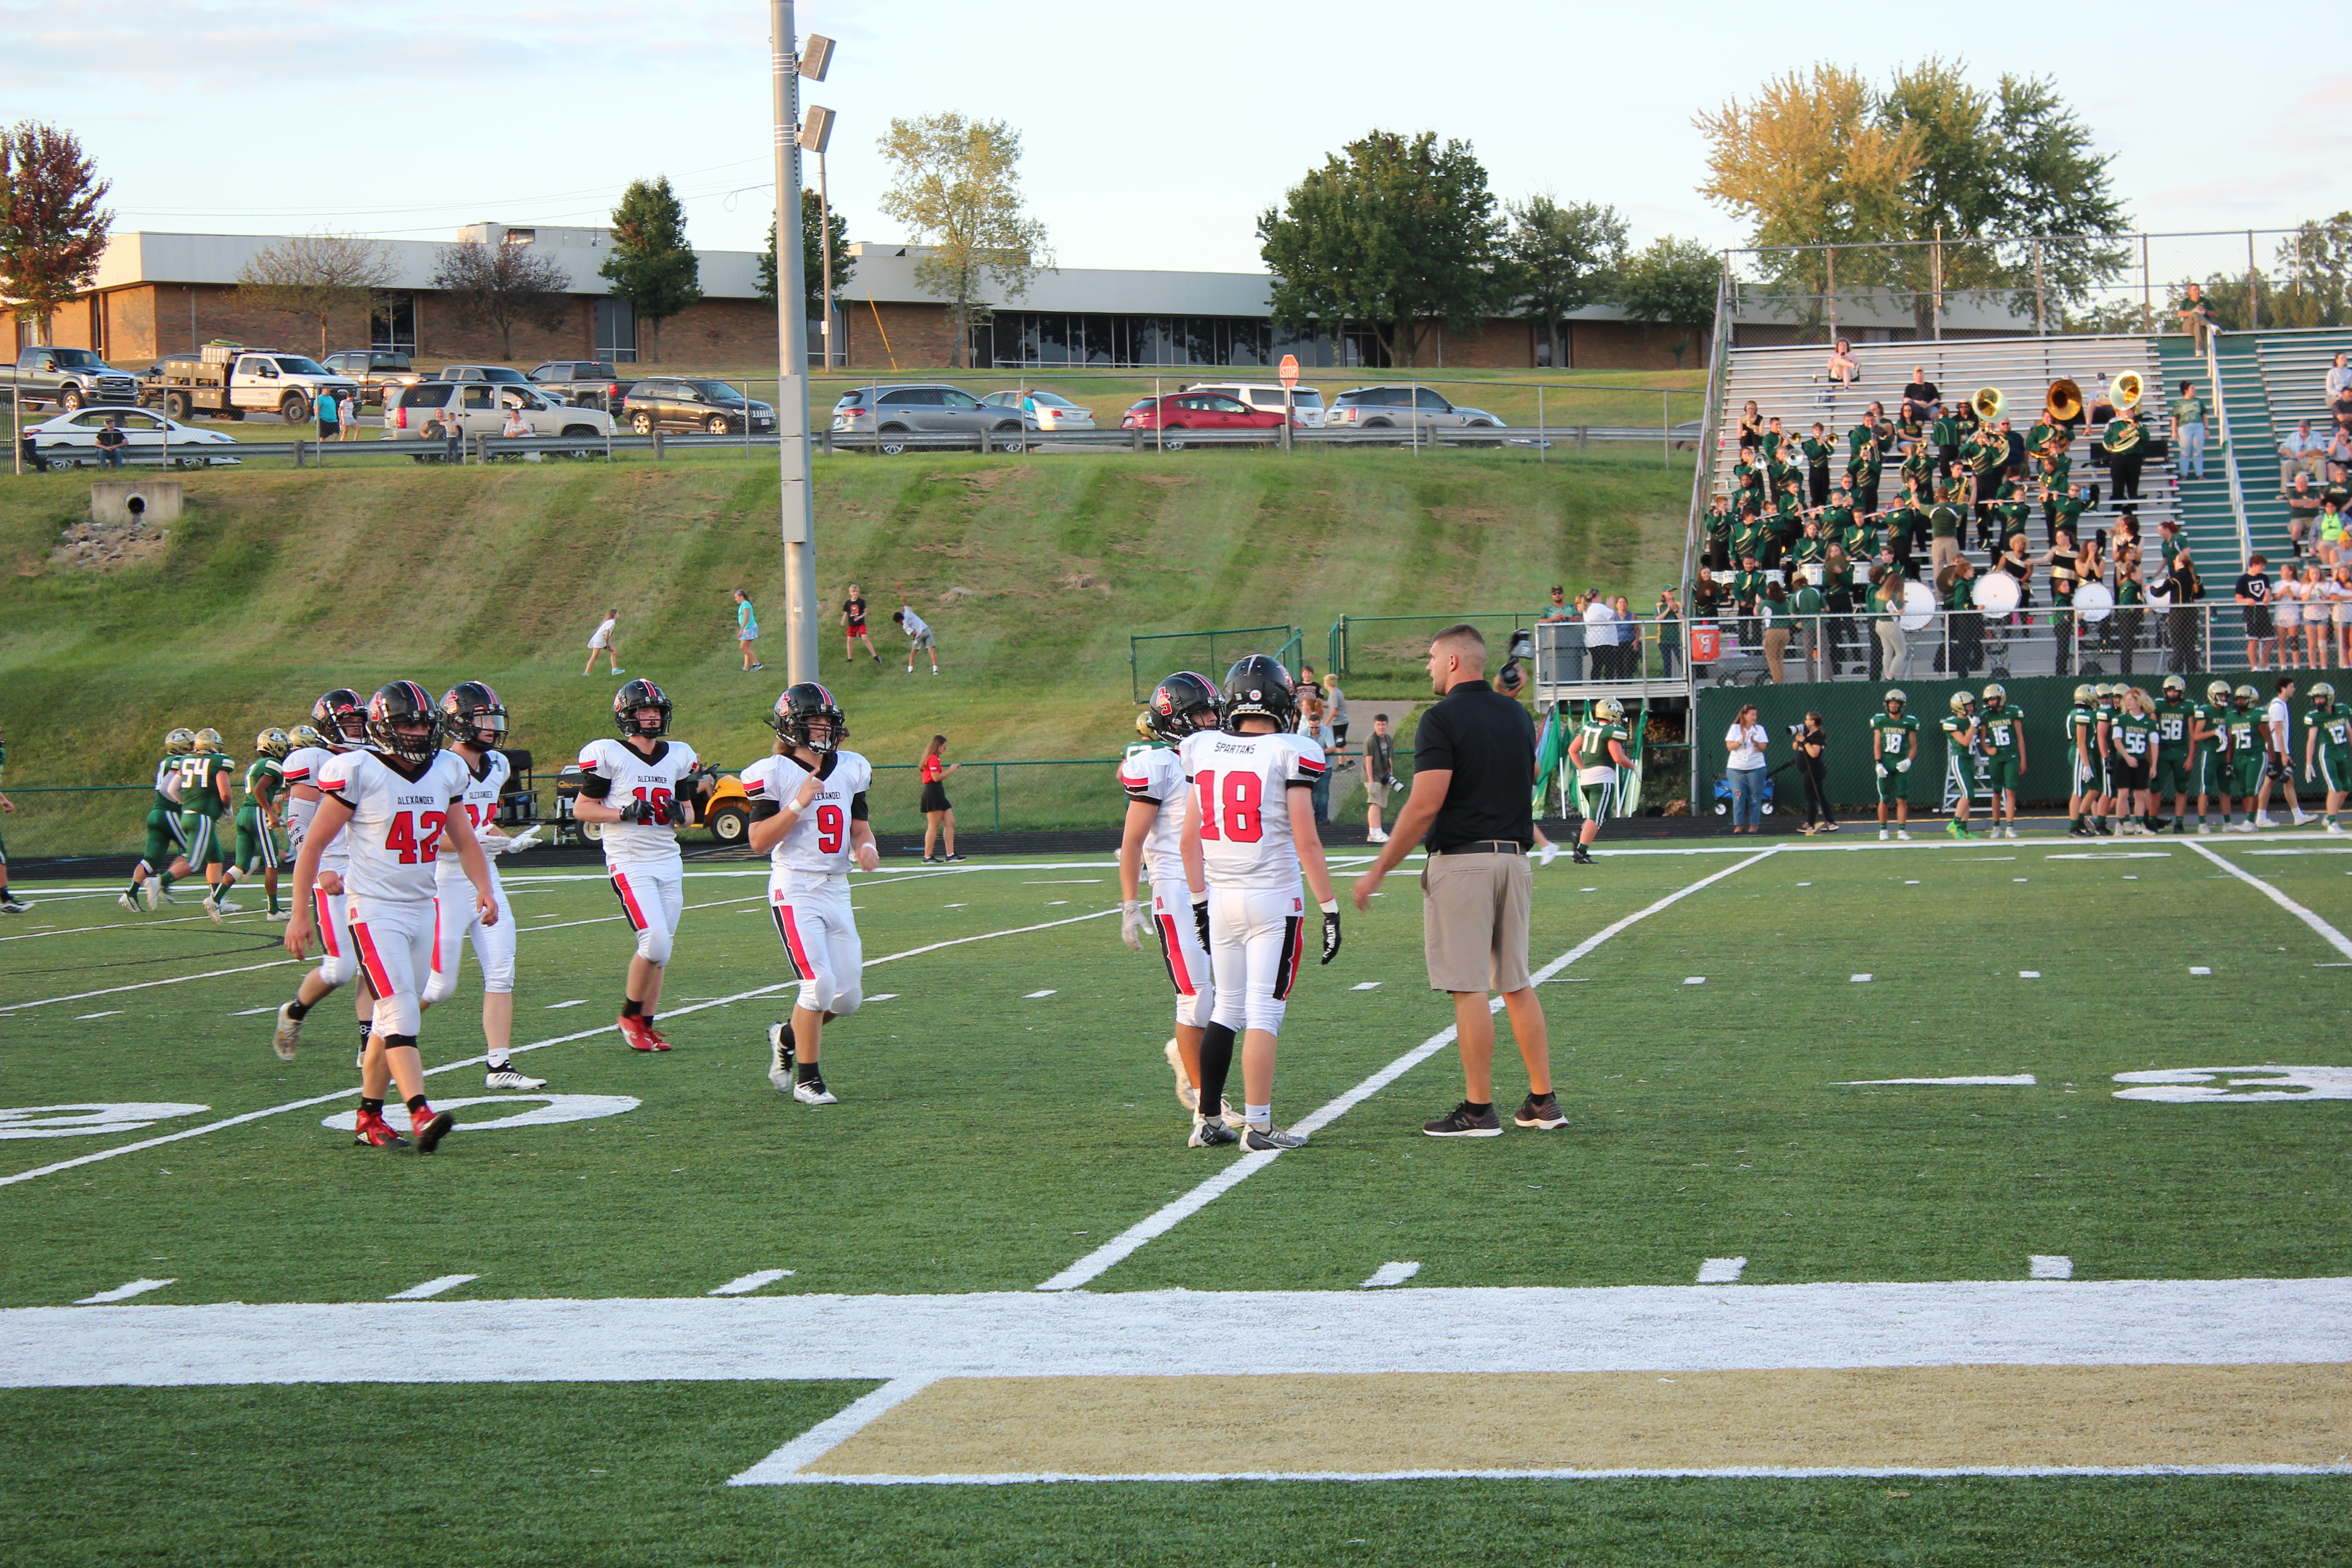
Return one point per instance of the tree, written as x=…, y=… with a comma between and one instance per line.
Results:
x=957, y=185
x=503, y=286
x=2316, y=267
x=1561, y=257
x=651, y=266
x=315, y=275
x=52, y=230
x=1394, y=232
x=811, y=253
x=1672, y=283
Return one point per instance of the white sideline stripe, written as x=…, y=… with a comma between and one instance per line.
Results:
x=745, y=1284
x=146, y=985
x=1722, y=1271
x=1166, y=1219
x=2049, y=1265
x=2021, y=1080
x=829, y=1434
x=536, y=1044
x=432, y=1287
x=119, y=925
x=1389, y=1273
x=2334, y=938
x=123, y=1292
x=1735, y=1473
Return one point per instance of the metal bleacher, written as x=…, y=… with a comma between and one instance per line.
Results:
x=2295, y=375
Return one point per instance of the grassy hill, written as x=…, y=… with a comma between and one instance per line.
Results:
x=276, y=585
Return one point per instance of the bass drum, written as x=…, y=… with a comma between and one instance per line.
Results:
x=1995, y=593
x=2093, y=602
x=1918, y=607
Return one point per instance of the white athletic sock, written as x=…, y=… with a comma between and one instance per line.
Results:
x=1258, y=1116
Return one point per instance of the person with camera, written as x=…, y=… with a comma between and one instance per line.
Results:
x=1812, y=743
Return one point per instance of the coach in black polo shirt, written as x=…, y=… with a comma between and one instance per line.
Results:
x=1472, y=794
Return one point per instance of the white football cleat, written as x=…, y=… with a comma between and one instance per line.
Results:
x=1903, y=834
x=2301, y=817
x=151, y=893
x=277, y=914
x=1186, y=1095
x=1547, y=854
x=780, y=1057
x=502, y=1075
x=127, y=901
x=2265, y=820
x=1883, y=835
x=288, y=1033
x=813, y=1092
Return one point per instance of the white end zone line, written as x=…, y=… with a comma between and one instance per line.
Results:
x=535, y=1045
x=1094, y=1264
x=758, y=1475
x=821, y=1439
x=2328, y=934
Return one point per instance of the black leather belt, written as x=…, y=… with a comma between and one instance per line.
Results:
x=1487, y=847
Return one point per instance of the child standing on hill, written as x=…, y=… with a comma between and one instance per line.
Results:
x=747, y=630
x=605, y=640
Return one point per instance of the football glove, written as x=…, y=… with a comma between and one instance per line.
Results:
x=1903, y=766
x=1201, y=922
x=1331, y=931
x=1133, y=922
x=634, y=810
x=1882, y=770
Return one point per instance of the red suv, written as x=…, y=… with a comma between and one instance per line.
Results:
x=1199, y=411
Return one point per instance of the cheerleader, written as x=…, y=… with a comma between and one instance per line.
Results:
x=938, y=816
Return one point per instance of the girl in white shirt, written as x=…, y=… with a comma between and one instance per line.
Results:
x=2287, y=604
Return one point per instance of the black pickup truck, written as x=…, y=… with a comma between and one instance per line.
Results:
x=581, y=382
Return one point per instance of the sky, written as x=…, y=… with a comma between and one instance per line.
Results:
x=1147, y=144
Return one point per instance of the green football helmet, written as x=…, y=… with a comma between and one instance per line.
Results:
x=2086, y=693
x=2218, y=692
x=273, y=742
x=180, y=742
x=1962, y=701
x=209, y=740
x=2246, y=694
x=1894, y=699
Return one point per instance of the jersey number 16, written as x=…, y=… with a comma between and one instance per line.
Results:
x=1230, y=812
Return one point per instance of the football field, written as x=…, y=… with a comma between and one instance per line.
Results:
x=1932, y=1203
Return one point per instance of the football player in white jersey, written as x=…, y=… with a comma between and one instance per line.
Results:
x=400, y=800
x=473, y=728
x=640, y=788
x=338, y=724
x=1248, y=837
x=1153, y=774
x=808, y=814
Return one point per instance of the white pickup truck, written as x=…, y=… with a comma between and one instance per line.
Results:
x=232, y=382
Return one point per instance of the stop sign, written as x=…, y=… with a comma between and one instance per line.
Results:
x=1290, y=370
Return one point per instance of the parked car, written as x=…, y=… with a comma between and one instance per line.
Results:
x=1306, y=402
x=1178, y=410
x=888, y=411
x=1404, y=408
x=376, y=369
x=482, y=406
x=70, y=378
x=72, y=439
x=234, y=381
x=1043, y=411
x=583, y=383
x=692, y=403
x=482, y=373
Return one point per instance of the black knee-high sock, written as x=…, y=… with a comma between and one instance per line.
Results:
x=1216, y=1061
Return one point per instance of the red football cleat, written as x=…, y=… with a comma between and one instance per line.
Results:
x=430, y=1126
x=661, y=1043
x=637, y=1035
x=373, y=1132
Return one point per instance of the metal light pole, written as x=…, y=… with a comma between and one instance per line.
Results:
x=798, y=498
x=824, y=245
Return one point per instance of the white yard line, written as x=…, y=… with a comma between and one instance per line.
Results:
x=2328, y=934
x=536, y=1044
x=1094, y=1264
x=148, y=984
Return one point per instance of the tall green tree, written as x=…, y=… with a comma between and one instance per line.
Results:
x=1561, y=257
x=52, y=230
x=651, y=266
x=1673, y=282
x=955, y=184
x=814, y=222
x=1394, y=232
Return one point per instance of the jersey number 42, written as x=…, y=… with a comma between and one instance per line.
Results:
x=417, y=836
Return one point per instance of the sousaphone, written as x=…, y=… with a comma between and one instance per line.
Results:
x=2127, y=390
x=2063, y=403
x=1988, y=404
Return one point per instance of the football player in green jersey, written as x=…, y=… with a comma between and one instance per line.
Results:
x=258, y=813
x=2083, y=761
x=205, y=775
x=2105, y=711
x=2326, y=748
x=2245, y=726
x=10, y=904
x=2173, y=712
x=2209, y=760
x=1959, y=754
x=164, y=862
x=1597, y=753
x=2004, y=730
x=1893, y=747
x=2135, y=767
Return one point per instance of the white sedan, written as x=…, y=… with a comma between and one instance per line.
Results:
x=147, y=437
x=1043, y=411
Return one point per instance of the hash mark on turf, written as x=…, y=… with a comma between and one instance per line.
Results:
x=753, y=1281
x=249, y=1012
x=432, y=1287
x=1366, y=985
x=2049, y=1265
x=1389, y=1273
x=575, y=1001
x=1694, y=979
x=1721, y=1270
x=1032, y=995
x=884, y=996
x=123, y=1292
x=2029, y=975
x=2198, y=969
x=85, y=1017
x=1861, y=979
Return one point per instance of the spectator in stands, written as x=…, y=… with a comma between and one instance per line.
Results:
x=1886, y=597
x=2339, y=408
x=2303, y=508
x=1922, y=402
x=2321, y=606
x=1669, y=615
x=2288, y=604
x=1843, y=371
x=2339, y=378
x=1601, y=636
x=1746, y=740
x=2189, y=430
x=1751, y=428
x=1706, y=607
x=1557, y=609
x=1776, y=631
x=2332, y=533
x=2340, y=457
x=2063, y=561
x=2301, y=453
x=2197, y=317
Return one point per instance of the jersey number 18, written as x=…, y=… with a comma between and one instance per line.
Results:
x=1231, y=813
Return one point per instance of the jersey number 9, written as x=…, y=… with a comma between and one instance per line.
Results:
x=828, y=829
x=1239, y=821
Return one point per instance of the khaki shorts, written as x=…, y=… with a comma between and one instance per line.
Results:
x=1473, y=922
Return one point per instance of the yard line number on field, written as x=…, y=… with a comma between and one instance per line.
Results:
x=1096, y=1263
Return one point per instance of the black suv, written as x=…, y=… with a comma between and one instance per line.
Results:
x=692, y=403
x=581, y=382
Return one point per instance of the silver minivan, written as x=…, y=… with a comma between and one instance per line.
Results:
x=925, y=410
x=1307, y=401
